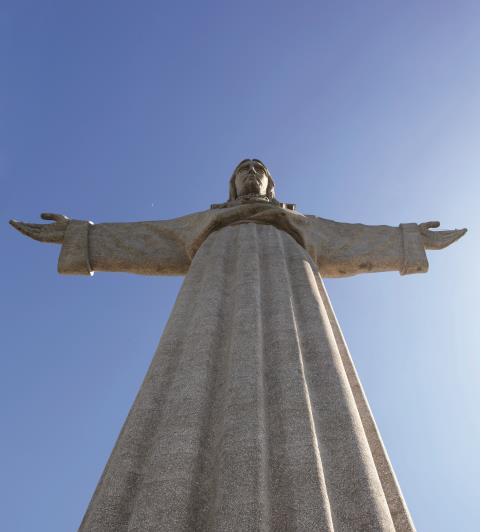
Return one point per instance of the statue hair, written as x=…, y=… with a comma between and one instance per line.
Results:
x=270, y=187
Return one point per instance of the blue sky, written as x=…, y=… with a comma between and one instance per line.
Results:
x=119, y=111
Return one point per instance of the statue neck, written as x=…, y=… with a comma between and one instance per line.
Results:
x=253, y=198
x=245, y=198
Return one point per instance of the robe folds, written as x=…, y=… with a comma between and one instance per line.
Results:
x=251, y=416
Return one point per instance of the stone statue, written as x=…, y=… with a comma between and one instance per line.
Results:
x=251, y=416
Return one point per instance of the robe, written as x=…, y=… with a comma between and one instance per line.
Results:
x=251, y=416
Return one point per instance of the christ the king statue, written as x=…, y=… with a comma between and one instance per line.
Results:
x=251, y=416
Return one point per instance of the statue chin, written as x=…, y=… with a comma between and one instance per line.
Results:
x=252, y=190
x=250, y=195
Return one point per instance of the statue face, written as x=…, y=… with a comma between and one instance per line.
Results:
x=250, y=178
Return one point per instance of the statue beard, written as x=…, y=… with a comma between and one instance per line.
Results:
x=251, y=188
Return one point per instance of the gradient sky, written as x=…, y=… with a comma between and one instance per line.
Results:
x=120, y=111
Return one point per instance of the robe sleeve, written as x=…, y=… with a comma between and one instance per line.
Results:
x=149, y=248
x=343, y=249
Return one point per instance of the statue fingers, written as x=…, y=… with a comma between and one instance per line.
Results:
x=442, y=239
x=452, y=236
x=19, y=226
x=15, y=223
x=31, y=230
x=54, y=217
x=429, y=225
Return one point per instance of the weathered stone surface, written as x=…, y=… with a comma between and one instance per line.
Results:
x=251, y=416
x=247, y=419
x=168, y=247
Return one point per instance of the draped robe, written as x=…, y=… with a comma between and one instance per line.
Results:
x=251, y=416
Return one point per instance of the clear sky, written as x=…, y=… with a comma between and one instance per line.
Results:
x=120, y=111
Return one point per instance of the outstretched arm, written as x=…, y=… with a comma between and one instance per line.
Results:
x=151, y=248
x=342, y=249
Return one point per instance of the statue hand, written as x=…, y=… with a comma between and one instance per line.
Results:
x=438, y=239
x=44, y=232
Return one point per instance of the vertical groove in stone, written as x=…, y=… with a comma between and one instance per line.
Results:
x=217, y=423
x=247, y=418
x=111, y=505
x=241, y=500
x=355, y=492
x=176, y=452
x=396, y=503
x=110, y=508
x=204, y=481
x=279, y=492
x=264, y=472
x=324, y=501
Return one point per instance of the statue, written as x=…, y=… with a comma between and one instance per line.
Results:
x=251, y=416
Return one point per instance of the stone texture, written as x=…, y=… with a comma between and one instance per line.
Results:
x=249, y=418
x=168, y=247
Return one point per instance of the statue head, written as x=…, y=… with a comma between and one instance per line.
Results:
x=251, y=177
